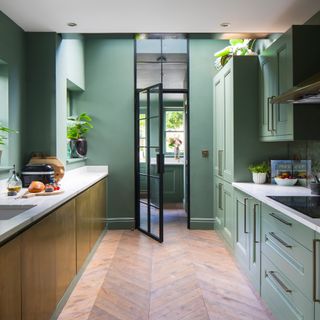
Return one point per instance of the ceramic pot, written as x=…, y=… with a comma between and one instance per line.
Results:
x=315, y=187
x=78, y=148
x=259, y=178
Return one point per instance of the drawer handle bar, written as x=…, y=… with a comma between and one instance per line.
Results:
x=280, y=282
x=245, y=215
x=255, y=223
x=280, y=240
x=280, y=219
x=315, y=298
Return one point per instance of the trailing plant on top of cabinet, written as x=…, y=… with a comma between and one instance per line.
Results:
x=288, y=61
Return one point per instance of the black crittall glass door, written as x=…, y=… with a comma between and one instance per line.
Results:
x=150, y=162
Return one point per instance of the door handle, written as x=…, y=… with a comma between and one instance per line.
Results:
x=280, y=240
x=245, y=215
x=220, y=153
x=255, y=223
x=273, y=215
x=160, y=163
x=315, y=298
x=268, y=114
x=272, y=114
x=220, y=196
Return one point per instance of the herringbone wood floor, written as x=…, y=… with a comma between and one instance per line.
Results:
x=190, y=276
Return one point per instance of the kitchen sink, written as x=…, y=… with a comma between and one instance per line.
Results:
x=10, y=211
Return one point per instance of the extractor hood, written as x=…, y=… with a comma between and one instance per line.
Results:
x=306, y=92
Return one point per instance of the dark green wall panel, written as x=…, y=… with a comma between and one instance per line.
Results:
x=202, y=72
x=109, y=99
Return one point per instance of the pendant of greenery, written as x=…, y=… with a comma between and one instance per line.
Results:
x=237, y=47
x=78, y=126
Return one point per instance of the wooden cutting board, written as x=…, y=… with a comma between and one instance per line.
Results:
x=41, y=194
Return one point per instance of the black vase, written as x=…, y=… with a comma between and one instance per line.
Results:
x=78, y=148
x=315, y=188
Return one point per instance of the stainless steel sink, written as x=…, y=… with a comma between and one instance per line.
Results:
x=10, y=211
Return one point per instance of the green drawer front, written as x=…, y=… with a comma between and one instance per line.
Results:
x=294, y=229
x=294, y=260
x=282, y=297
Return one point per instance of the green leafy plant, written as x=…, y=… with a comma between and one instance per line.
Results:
x=6, y=130
x=78, y=126
x=259, y=168
x=174, y=120
x=237, y=47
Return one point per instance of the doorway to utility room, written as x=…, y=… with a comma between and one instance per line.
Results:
x=162, y=133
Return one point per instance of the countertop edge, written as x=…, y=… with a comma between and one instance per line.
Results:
x=305, y=220
x=67, y=196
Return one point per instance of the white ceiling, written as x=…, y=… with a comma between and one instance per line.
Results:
x=128, y=16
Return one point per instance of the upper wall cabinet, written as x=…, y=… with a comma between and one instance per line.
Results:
x=235, y=112
x=290, y=60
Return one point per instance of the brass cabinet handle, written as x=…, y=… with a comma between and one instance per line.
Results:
x=245, y=215
x=280, y=240
x=268, y=114
x=220, y=162
x=272, y=114
x=220, y=196
x=273, y=215
x=255, y=222
x=314, y=253
x=280, y=282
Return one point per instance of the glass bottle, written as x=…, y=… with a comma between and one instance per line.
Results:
x=14, y=184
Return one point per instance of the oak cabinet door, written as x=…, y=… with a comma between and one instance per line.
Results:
x=10, y=280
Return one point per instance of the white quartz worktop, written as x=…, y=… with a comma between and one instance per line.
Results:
x=74, y=182
x=261, y=191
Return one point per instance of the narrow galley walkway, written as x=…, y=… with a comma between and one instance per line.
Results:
x=190, y=276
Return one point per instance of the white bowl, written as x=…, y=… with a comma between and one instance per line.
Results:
x=285, y=182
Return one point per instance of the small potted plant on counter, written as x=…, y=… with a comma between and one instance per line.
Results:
x=3, y=137
x=77, y=128
x=259, y=172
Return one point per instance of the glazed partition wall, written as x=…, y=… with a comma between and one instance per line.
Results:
x=149, y=118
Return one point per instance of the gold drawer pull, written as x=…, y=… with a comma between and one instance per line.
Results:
x=280, y=219
x=280, y=282
x=280, y=240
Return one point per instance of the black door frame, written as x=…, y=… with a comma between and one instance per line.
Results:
x=187, y=130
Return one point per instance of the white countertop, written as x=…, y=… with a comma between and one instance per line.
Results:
x=74, y=182
x=261, y=191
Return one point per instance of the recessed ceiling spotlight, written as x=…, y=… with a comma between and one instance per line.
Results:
x=71, y=24
x=225, y=24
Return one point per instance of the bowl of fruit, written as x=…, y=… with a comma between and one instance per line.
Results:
x=285, y=179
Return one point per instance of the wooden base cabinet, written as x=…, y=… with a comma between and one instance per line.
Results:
x=38, y=270
x=10, y=280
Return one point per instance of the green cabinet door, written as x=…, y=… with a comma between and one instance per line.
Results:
x=267, y=90
x=255, y=242
x=242, y=252
x=317, y=276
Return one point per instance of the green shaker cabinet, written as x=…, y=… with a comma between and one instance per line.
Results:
x=317, y=276
x=284, y=64
x=247, y=240
x=224, y=207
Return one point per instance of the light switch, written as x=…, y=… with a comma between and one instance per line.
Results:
x=205, y=153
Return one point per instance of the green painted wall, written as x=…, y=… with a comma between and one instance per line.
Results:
x=69, y=75
x=202, y=72
x=40, y=116
x=109, y=98
x=12, y=52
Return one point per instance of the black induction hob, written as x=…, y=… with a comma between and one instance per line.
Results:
x=309, y=206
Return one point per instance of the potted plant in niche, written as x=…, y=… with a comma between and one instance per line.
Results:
x=315, y=185
x=175, y=143
x=77, y=128
x=259, y=172
x=3, y=137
